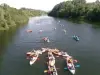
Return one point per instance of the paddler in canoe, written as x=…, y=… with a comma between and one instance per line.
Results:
x=29, y=30
x=30, y=54
x=70, y=61
x=33, y=55
x=46, y=39
x=51, y=62
x=75, y=37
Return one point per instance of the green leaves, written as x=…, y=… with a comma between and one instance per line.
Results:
x=77, y=9
x=11, y=16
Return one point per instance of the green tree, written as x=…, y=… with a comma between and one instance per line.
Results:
x=10, y=16
x=3, y=23
x=77, y=9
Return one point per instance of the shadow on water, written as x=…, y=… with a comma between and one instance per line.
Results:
x=96, y=26
x=6, y=37
x=81, y=21
x=77, y=21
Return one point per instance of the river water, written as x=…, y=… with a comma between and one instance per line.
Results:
x=16, y=42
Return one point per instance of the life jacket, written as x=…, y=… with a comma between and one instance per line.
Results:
x=27, y=55
x=70, y=61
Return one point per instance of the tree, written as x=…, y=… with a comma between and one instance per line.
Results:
x=79, y=1
x=77, y=9
x=10, y=16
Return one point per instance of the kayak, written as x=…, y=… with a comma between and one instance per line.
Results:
x=51, y=59
x=75, y=38
x=29, y=30
x=46, y=39
x=64, y=54
x=29, y=54
x=57, y=53
x=51, y=64
x=70, y=66
x=39, y=51
x=34, y=58
x=44, y=50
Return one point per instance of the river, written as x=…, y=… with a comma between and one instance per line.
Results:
x=16, y=42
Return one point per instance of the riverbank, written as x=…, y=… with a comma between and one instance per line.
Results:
x=78, y=10
x=82, y=20
x=10, y=16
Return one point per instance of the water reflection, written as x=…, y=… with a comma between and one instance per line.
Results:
x=6, y=37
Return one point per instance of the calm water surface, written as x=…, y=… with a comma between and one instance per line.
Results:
x=16, y=42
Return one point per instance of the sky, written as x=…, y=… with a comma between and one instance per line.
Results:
x=46, y=5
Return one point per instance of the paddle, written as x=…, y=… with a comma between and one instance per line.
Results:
x=65, y=68
x=75, y=66
x=45, y=71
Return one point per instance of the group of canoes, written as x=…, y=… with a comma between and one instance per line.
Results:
x=34, y=54
x=69, y=59
x=46, y=39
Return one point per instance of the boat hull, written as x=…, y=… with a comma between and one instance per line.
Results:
x=70, y=66
x=52, y=68
x=32, y=61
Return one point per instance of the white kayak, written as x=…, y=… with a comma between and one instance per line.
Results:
x=39, y=51
x=51, y=67
x=48, y=40
x=44, y=49
x=70, y=66
x=33, y=59
x=64, y=54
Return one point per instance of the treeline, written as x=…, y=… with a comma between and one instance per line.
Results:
x=77, y=9
x=10, y=16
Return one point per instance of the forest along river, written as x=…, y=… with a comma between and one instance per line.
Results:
x=16, y=42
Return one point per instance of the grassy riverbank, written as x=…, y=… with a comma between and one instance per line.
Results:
x=10, y=16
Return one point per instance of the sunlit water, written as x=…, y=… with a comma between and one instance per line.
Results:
x=16, y=42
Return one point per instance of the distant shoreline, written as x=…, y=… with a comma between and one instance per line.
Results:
x=78, y=10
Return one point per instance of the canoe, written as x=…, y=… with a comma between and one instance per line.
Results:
x=46, y=39
x=29, y=30
x=30, y=53
x=39, y=51
x=51, y=66
x=75, y=38
x=64, y=54
x=56, y=53
x=44, y=49
x=33, y=59
x=70, y=66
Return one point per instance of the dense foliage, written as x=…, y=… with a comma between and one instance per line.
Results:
x=77, y=9
x=10, y=16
